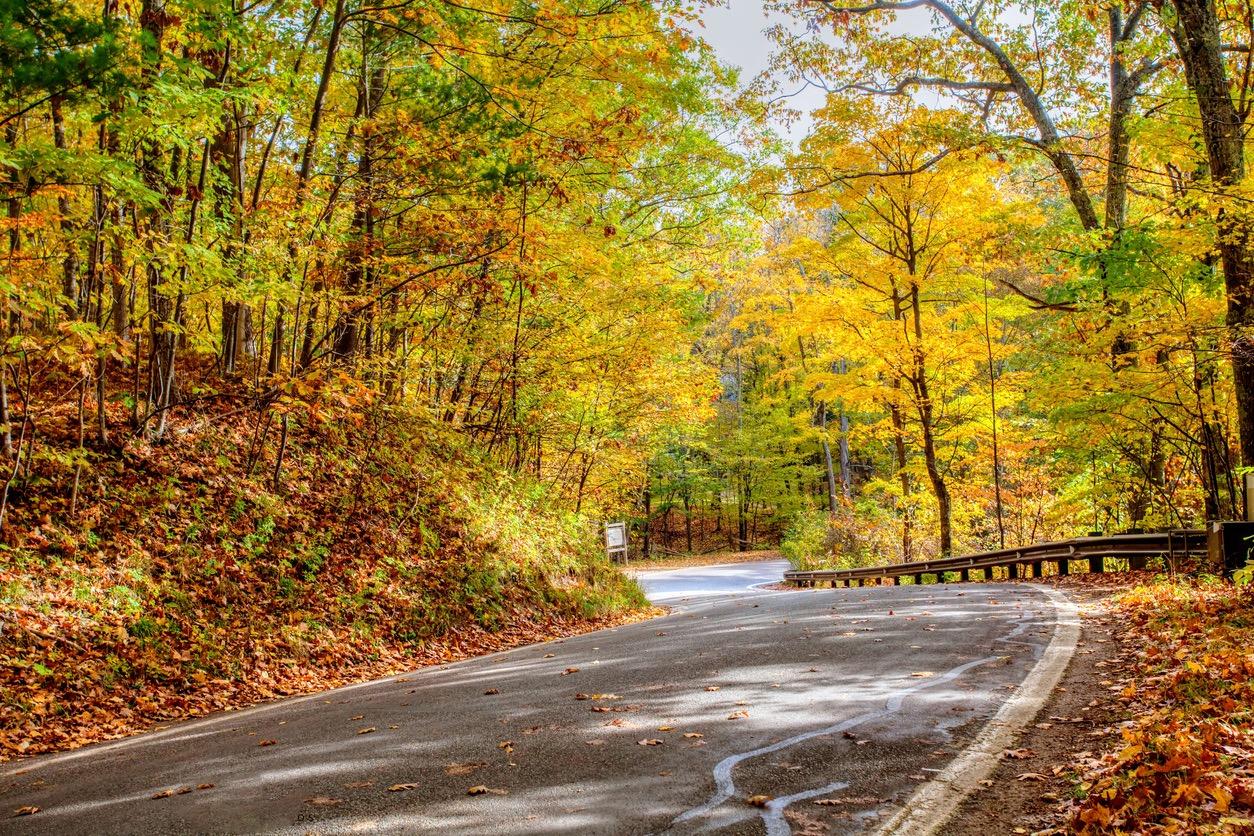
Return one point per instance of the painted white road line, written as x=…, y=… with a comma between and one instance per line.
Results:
x=933, y=804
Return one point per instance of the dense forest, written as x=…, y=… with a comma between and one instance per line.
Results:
x=335, y=328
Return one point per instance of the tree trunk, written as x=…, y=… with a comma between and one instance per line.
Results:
x=1196, y=34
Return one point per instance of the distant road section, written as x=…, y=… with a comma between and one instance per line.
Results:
x=670, y=586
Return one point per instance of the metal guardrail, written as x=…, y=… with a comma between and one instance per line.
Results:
x=1027, y=561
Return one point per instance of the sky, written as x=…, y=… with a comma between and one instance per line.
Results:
x=735, y=30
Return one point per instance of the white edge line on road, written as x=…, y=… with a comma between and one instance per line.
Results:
x=933, y=804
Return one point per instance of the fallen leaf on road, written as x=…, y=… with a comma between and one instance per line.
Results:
x=595, y=742
x=322, y=801
x=692, y=735
x=548, y=656
x=569, y=671
x=1030, y=776
x=923, y=674
x=358, y=785
x=506, y=746
x=665, y=728
x=163, y=794
x=649, y=741
x=366, y=730
x=480, y=789
x=205, y=786
x=1018, y=754
x=737, y=715
x=28, y=810
x=464, y=768
x=759, y=800
x=711, y=687
x=402, y=787
x=491, y=692
x=267, y=742
x=358, y=717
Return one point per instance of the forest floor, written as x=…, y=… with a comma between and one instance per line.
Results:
x=1151, y=729
x=144, y=583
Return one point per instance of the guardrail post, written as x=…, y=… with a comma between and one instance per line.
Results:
x=1063, y=566
x=1097, y=564
x=918, y=579
x=1136, y=562
x=964, y=575
x=896, y=580
x=1036, y=568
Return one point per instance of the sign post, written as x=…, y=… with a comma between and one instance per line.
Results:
x=616, y=540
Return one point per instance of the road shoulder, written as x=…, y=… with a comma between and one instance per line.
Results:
x=1023, y=792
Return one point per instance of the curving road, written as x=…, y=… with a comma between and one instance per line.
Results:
x=835, y=705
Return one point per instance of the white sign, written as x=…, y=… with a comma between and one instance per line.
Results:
x=615, y=537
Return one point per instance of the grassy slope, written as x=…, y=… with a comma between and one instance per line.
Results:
x=179, y=584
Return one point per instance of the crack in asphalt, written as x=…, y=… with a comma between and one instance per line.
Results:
x=773, y=813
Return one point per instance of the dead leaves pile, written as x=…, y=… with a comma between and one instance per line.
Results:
x=1184, y=763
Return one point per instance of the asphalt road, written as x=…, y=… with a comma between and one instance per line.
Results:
x=837, y=704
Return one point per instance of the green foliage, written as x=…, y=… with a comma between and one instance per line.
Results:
x=808, y=542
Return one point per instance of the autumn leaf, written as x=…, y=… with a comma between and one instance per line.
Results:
x=402, y=787
x=28, y=810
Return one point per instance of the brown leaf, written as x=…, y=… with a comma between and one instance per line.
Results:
x=693, y=735
x=402, y=787
x=569, y=671
x=1029, y=776
x=759, y=800
x=491, y=692
x=480, y=789
x=738, y=715
x=266, y=742
x=163, y=794
x=366, y=730
x=322, y=801
x=358, y=785
x=464, y=768
x=205, y=786
x=28, y=810
x=650, y=741
x=1018, y=754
